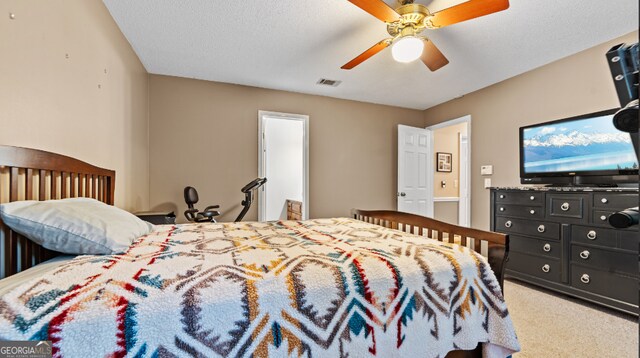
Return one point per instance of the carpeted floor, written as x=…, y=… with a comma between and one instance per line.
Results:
x=555, y=325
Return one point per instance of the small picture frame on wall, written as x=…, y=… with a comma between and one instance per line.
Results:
x=444, y=161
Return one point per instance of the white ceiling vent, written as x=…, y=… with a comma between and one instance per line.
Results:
x=326, y=82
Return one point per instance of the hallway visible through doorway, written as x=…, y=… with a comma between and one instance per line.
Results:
x=451, y=186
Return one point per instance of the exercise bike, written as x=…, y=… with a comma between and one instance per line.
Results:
x=208, y=215
x=248, y=196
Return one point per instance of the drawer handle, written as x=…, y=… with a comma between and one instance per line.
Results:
x=501, y=196
x=585, y=254
x=532, y=212
x=585, y=278
x=501, y=209
x=532, y=198
x=546, y=247
x=604, y=200
x=508, y=224
x=541, y=228
x=603, y=217
x=591, y=235
x=565, y=206
x=546, y=268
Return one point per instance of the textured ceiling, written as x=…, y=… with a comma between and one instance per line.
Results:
x=290, y=44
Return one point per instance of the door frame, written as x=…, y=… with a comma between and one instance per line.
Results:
x=467, y=213
x=261, y=159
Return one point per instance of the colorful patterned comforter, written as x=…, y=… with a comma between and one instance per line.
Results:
x=321, y=288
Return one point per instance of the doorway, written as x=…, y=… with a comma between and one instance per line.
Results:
x=451, y=170
x=427, y=187
x=283, y=158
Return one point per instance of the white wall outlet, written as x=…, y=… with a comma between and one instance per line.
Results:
x=487, y=183
x=486, y=170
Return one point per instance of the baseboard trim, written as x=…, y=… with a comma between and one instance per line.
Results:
x=445, y=199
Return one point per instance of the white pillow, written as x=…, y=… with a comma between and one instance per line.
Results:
x=75, y=226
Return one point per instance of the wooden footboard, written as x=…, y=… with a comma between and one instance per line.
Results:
x=496, y=249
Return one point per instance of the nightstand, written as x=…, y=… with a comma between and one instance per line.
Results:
x=157, y=218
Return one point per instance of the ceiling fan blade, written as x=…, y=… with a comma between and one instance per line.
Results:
x=365, y=55
x=432, y=57
x=378, y=9
x=466, y=11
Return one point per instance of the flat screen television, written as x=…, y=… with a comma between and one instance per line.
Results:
x=581, y=150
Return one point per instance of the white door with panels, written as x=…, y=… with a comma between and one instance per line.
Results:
x=414, y=158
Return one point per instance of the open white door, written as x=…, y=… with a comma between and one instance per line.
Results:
x=414, y=159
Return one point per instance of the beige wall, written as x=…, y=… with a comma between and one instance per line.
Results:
x=92, y=105
x=574, y=85
x=72, y=84
x=446, y=211
x=204, y=134
x=447, y=140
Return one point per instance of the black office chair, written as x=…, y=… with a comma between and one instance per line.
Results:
x=194, y=215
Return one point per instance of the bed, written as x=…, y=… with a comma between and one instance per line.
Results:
x=378, y=283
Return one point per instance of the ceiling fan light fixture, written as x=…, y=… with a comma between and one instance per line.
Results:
x=407, y=49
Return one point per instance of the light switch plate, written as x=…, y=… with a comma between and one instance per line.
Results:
x=486, y=170
x=487, y=183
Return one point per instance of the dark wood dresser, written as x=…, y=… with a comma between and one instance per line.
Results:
x=560, y=239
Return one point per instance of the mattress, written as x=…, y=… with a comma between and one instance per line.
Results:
x=331, y=287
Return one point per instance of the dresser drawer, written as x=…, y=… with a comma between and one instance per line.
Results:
x=545, y=268
x=535, y=228
x=520, y=198
x=605, y=260
x=623, y=288
x=593, y=236
x=629, y=240
x=529, y=212
x=564, y=206
x=549, y=248
x=601, y=217
x=611, y=238
x=615, y=200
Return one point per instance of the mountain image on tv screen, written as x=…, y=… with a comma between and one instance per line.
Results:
x=591, y=144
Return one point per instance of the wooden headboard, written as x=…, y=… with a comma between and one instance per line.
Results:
x=31, y=174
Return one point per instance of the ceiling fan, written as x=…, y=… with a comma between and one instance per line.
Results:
x=406, y=23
